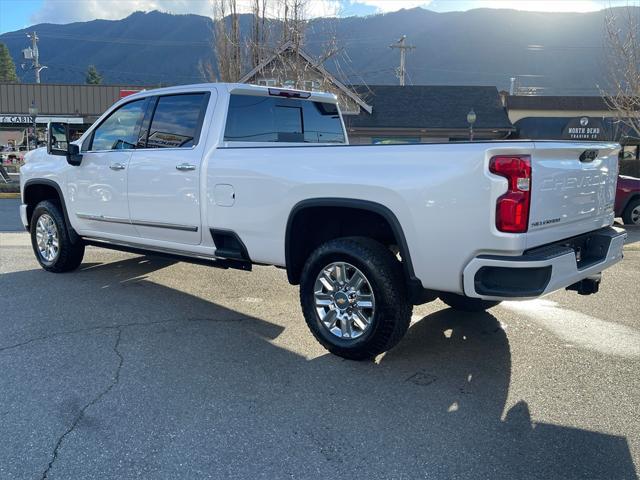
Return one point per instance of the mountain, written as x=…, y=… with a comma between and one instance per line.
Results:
x=145, y=48
x=562, y=52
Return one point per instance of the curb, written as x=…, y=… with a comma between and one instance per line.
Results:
x=9, y=195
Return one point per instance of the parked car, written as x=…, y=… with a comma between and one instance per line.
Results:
x=233, y=175
x=627, y=203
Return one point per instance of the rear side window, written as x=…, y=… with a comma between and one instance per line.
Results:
x=177, y=120
x=269, y=119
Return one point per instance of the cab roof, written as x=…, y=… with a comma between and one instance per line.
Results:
x=243, y=89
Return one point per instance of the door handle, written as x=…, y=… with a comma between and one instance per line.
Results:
x=117, y=166
x=185, y=167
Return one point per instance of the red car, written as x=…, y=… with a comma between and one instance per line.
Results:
x=628, y=200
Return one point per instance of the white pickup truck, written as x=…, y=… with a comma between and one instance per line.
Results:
x=233, y=175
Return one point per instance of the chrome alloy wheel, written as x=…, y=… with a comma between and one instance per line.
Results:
x=635, y=215
x=47, y=238
x=344, y=300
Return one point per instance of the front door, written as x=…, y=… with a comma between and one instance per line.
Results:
x=164, y=177
x=97, y=188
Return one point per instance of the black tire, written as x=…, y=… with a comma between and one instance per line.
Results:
x=69, y=256
x=467, y=304
x=392, y=314
x=627, y=215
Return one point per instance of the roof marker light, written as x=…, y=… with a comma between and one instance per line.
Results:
x=278, y=92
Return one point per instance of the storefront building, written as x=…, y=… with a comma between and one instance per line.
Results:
x=379, y=114
x=573, y=118
x=428, y=114
x=26, y=109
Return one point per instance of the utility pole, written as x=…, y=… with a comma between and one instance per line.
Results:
x=32, y=53
x=401, y=45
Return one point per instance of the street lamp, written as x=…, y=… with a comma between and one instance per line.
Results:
x=471, y=119
x=33, y=112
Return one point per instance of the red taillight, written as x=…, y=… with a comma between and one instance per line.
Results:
x=512, y=209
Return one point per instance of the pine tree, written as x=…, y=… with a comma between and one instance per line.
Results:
x=7, y=67
x=93, y=77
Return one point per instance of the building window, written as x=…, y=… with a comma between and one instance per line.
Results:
x=311, y=85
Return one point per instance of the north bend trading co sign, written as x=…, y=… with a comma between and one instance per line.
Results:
x=584, y=128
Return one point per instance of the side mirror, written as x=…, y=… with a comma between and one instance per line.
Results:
x=58, y=143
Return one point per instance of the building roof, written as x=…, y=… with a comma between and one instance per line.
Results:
x=430, y=107
x=60, y=99
x=515, y=102
x=290, y=46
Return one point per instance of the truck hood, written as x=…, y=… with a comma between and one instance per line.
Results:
x=35, y=155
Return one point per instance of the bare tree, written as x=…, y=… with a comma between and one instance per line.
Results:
x=275, y=24
x=294, y=21
x=258, y=45
x=293, y=17
x=623, y=52
x=228, y=47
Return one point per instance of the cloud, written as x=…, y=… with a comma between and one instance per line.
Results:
x=384, y=6
x=67, y=11
x=530, y=5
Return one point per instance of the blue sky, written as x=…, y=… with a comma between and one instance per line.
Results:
x=17, y=14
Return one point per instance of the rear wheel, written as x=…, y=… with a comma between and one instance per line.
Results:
x=51, y=241
x=354, y=298
x=631, y=214
x=467, y=304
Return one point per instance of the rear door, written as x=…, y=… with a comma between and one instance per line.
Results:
x=164, y=175
x=573, y=189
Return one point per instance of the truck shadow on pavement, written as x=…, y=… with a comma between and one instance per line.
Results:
x=110, y=375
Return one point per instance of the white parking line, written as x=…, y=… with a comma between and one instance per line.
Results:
x=580, y=329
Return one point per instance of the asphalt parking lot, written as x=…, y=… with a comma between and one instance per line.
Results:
x=10, y=215
x=137, y=367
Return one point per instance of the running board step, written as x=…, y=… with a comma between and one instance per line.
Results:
x=224, y=263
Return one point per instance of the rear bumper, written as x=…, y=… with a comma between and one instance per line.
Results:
x=544, y=269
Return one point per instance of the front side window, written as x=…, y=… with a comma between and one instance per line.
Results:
x=269, y=119
x=176, y=121
x=120, y=130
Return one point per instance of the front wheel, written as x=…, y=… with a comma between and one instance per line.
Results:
x=631, y=215
x=354, y=297
x=51, y=241
x=467, y=304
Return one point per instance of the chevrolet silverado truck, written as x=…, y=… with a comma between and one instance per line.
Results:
x=234, y=175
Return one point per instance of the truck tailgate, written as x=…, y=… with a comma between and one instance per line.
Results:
x=573, y=189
